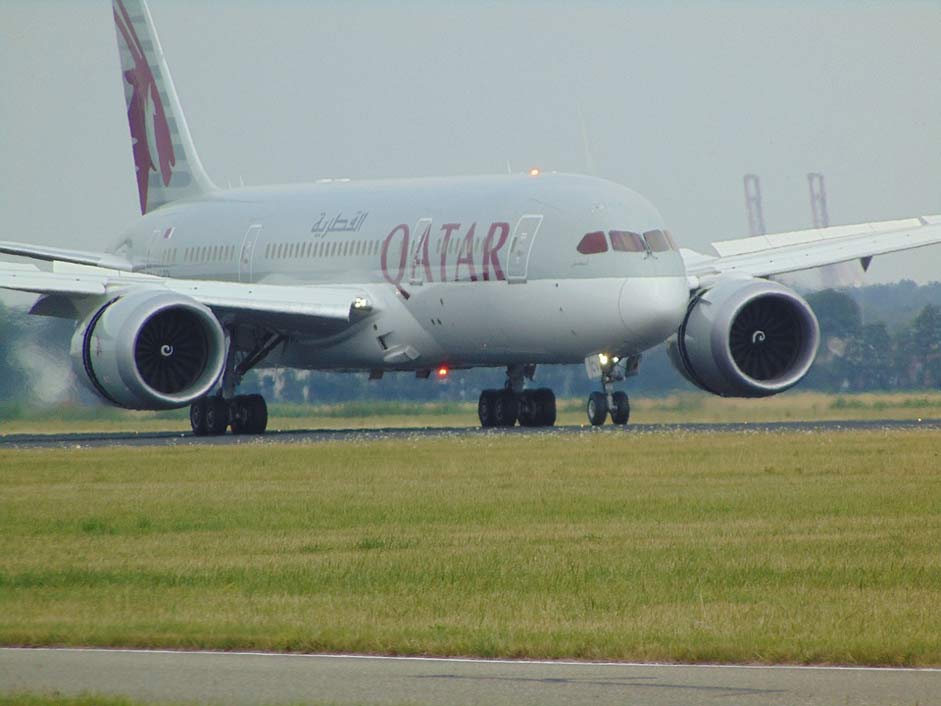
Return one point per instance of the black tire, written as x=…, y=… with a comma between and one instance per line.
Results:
x=529, y=412
x=241, y=416
x=597, y=408
x=545, y=403
x=259, y=414
x=198, y=417
x=621, y=411
x=485, y=409
x=505, y=409
x=217, y=416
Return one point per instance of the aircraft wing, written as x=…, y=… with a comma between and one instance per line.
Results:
x=77, y=257
x=780, y=253
x=313, y=309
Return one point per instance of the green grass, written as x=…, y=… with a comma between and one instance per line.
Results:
x=59, y=700
x=804, y=548
x=673, y=409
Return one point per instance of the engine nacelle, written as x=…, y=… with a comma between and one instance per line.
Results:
x=746, y=338
x=150, y=350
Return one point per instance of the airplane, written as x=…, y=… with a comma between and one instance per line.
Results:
x=512, y=271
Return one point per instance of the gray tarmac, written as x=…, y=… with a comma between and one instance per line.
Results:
x=245, y=678
x=275, y=436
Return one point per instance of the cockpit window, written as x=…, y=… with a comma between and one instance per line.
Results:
x=658, y=241
x=625, y=241
x=593, y=243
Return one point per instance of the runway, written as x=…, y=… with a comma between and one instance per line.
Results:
x=247, y=678
x=274, y=436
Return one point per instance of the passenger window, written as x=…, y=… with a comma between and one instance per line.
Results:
x=657, y=241
x=625, y=241
x=593, y=243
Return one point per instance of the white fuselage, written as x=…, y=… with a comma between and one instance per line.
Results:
x=461, y=272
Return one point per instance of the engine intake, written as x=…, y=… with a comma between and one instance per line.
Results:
x=746, y=338
x=150, y=350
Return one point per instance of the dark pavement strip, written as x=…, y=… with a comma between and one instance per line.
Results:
x=92, y=440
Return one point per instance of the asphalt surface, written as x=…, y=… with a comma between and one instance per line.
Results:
x=245, y=678
x=185, y=438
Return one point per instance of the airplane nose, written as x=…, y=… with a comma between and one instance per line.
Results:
x=652, y=308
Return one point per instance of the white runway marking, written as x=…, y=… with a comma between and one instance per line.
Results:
x=479, y=660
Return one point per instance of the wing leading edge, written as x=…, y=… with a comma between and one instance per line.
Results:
x=781, y=253
x=314, y=309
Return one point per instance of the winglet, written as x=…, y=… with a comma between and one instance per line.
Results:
x=168, y=167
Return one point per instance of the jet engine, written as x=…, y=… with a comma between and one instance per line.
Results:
x=150, y=350
x=746, y=338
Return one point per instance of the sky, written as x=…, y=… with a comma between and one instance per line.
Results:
x=677, y=100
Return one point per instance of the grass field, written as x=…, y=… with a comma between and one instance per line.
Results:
x=692, y=407
x=757, y=547
x=85, y=700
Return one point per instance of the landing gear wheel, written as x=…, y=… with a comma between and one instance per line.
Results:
x=597, y=408
x=545, y=405
x=529, y=412
x=198, y=417
x=249, y=414
x=259, y=414
x=505, y=409
x=485, y=408
x=621, y=409
x=216, y=416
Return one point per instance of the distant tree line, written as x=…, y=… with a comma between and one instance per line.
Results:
x=899, y=352
x=885, y=337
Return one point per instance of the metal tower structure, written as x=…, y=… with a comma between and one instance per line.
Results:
x=756, y=217
x=818, y=200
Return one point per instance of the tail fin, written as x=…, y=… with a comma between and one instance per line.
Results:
x=168, y=167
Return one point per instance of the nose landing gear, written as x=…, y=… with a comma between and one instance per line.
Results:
x=605, y=402
x=600, y=405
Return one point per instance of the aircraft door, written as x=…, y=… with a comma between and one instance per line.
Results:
x=521, y=246
x=247, y=253
x=150, y=254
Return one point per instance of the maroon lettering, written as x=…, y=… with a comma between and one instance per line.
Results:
x=403, y=256
x=421, y=258
x=465, y=256
x=490, y=256
x=447, y=228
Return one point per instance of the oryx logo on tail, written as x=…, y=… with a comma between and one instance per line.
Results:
x=168, y=167
x=150, y=131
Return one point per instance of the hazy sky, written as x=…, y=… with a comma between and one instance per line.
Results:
x=679, y=101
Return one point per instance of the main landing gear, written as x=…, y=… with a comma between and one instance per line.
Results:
x=512, y=404
x=607, y=401
x=244, y=414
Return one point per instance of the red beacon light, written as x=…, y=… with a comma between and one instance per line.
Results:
x=443, y=372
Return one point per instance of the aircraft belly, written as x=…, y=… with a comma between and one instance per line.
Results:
x=549, y=321
x=496, y=323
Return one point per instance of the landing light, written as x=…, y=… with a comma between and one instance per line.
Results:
x=603, y=359
x=535, y=171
